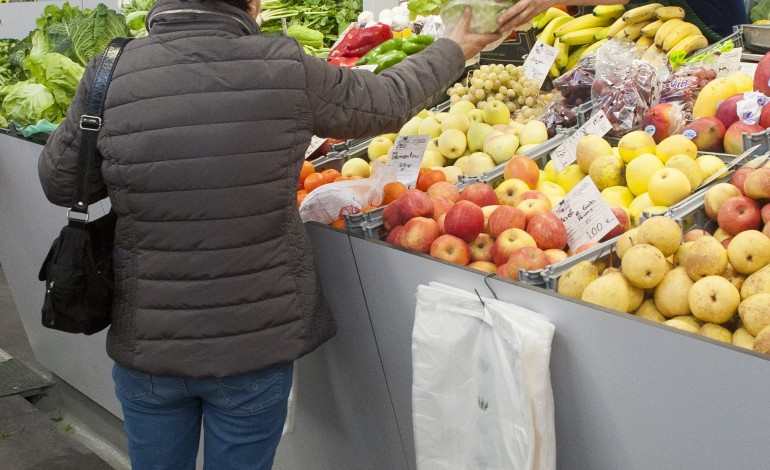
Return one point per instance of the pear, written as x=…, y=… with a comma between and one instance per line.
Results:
x=574, y=281
x=736, y=278
x=681, y=253
x=762, y=341
x=685, y=323
x=714, y=299
x=477, y=133
x=534, y=132
x=706, y=257
x=756, y=283
x=635, y=298
x=610, y=291
x=661, y=232
x=669, y=293
x=749, y=251
x=607, y=171
x=717, y=332
x=589, y=148
x=755, y=313
x=743, y=338
x=626, y=241
x=649, y=311
x=644, y=266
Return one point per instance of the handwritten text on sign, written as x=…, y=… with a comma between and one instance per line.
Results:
x=315, y=143
x=539, y=62
x=586, y=216
x=406, y=156
x=566, y=154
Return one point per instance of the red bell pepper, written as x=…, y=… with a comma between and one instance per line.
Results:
x=358, y=41
x=348, y=62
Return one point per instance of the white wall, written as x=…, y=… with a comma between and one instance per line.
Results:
x=377, y=6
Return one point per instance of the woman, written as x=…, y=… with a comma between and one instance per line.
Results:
x=205, y=127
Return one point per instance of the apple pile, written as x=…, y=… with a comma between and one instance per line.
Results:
x=465, y=140
x=717, y=285
x=473, y=227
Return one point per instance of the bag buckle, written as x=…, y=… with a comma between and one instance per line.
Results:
x=90, y=123
x=69, y=216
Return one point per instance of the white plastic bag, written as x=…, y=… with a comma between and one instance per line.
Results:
x=481, y=391
x=330, y=202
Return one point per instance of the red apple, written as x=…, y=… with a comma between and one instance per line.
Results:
x=694, y=234
x=446, y=189
x=441, y=205
x=523, y=168
x=765, y=213
x=481, y=247
x=727, y=110
x=624, y=222
x=734, y=136
x=766, y=229
x=532, y=207
x=726, y=242
x=548, y=231
x=717, y=195
x=451, y=248
x=663, y=120
x=739, y=213
x=390, y=217
x=764, y=117
x=532, y=194
x=707, y=133
x=528, y=258
x=757, y=184
x=554, y=255
x=414, y=203
x=762, y=75
x=465, y=220
x=739, y=177
x=394, y=237
x=508, y=242
x=502, y=270
x=485, y=266
x=440, y=222
x=480, y=194
x=585, y=246
x=419, y=233
x=505, y=217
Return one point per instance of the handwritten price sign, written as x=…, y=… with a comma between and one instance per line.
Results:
x=539, y=62
x=586, y=216
x=406, y=156
x=566, y=154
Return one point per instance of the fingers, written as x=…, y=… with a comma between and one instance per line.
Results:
x=465, y=20
x=512, y=13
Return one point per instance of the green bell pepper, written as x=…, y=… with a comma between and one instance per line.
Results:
x=388, y=59
x=393, y=44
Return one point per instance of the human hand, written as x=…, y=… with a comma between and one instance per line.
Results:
x=522, y=12
x=470, y=43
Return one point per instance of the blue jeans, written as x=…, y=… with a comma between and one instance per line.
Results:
x=242, y=418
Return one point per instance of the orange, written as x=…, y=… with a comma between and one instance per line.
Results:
x=330, y=175
x=313, y=181
x=427, y=178
x=339, y=223
x=341, y=178
x=301, y=194
x=367, y=208
x=391, y=191
x=307, y=169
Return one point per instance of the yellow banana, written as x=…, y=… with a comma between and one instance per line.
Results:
x=563, y=53
x=632, y=32
x=663, y=31
x=669, y=13
x=690, y=44
x=653, y=54
x=615, y=28
x=580, y=37
x=609, y=11
x=679, y=33
x=652, y=28
x=592, y=48
x=541, y=20
x=546, y=35
x=602, y=33
x=642, y=13
x=644, y=42
x=582, y=22
x=554, y=71
x=574, y=58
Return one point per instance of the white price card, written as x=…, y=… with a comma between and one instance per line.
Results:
x=406, y=156
x=565, y=154
x=727, y=62
x=748, y=67
x=369, y=67
x=539, y=62
x=315, y=143
x=586, y=216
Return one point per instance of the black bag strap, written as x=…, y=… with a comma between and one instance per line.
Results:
x=91, y=122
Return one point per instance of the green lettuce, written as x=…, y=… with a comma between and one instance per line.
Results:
x=485, y=12
x=58, y=73
x=26, y=103
x=92, y=32
x=425, y=7
x=760, y=11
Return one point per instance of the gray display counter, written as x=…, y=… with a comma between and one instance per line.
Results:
x=628, y=393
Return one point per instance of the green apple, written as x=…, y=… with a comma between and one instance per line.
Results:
x=461, y=162
x=462, y=107
x=476, y=135
x=460, y=122
x=496, y=112
x=378, y=147
x=618, y=195
x=478, y=163
x=452, y=142
x=430, y=126
x=501, y=147
x=668, y=186
x=524, y=149
x=411, y=127
x=452, y=173
x=534, y=132
x=640, y=170
x=425, y=113
x=355, y=167
x=432, y=158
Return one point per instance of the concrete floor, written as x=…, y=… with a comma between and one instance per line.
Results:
x=59, y=429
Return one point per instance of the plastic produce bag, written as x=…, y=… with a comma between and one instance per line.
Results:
x=43, y=125
x=684, y=85
x=481, y=391
x=484, y=20
x=331, y=201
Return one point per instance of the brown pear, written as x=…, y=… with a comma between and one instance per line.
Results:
x=671, y=293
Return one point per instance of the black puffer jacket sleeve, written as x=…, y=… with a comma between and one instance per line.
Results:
x=354, y=103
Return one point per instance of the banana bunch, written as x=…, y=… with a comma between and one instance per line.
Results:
x=657, y=30
x=574, y=37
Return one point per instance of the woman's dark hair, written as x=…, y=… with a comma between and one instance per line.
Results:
x=242, y=4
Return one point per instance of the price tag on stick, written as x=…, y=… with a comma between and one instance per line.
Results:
x=539, y=62
x=586, y=216
x=565, y=154
x=406, y=156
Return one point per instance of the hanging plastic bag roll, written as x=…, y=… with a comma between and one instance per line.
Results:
x=481, y=390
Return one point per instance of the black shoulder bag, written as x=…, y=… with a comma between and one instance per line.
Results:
x=78, y=268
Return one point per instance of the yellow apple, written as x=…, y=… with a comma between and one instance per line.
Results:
x=638, y=206
x=462, y=107
x=550, y=170
x=460, y=122
x=501, y=147
x=496, y=112
x=689, y=167
x=676, y=144
x=476, y=135
x=411, y=126
x=569, y=177
x=640, y=170
x=432, y=158
x=524, y=149
x=378, y=147
x=710, y=165
x=355, y=167
x=534, y=132
x=478, y=163
x=668, y=186
x=452, y=142
x=589, y=148
x=429, y=126
x=508, y=191
x=635, y=143
x=618, y=195
x=452, y=173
